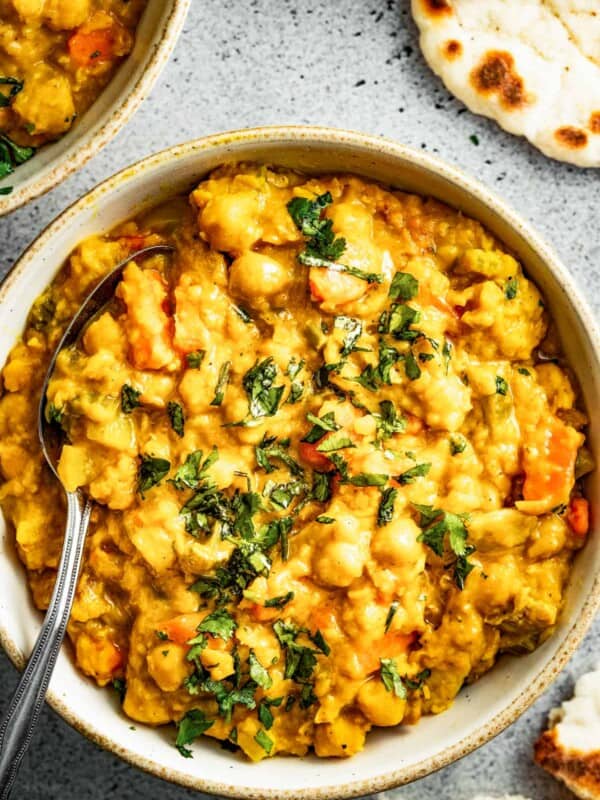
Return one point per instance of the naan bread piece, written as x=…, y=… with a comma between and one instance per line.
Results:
x=532, y=65
x=570, y=748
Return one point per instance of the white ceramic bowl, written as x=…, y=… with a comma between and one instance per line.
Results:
x=391, y=756
x=157, y=32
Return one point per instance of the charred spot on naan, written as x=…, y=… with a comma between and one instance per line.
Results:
x=496, y=74
x=581, y=770
x=452, y=49
x=571, y=137
x=594, y=124
x=437, y=8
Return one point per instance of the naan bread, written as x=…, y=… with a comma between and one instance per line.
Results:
x=532, y=65
x=570, y=748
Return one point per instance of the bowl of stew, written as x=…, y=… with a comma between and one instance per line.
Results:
x=72, y=72
x=339, y=451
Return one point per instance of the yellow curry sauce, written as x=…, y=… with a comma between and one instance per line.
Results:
x=56, y=56
x=335, y=451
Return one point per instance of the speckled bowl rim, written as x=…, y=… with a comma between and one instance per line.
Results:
x=381, y=147
x=117, y=117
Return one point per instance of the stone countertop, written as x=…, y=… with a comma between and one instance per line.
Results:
x=349, y=64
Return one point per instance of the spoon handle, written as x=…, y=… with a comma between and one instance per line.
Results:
x=20, y=719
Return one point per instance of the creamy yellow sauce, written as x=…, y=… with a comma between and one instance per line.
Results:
x=280, y=593
x=56, y=56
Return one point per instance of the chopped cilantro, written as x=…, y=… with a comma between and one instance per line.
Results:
x=322, y=249
x=195, y=359
x=151, y=472
x=367, y=479
x=269, y=448
x=385, y=512
x=258, y=673
x=176, y=417
x=324, y=520
x=263, y=397
x=439, y=526
x=354, y=328
x=335, y=441
x=130, y=398
x=510, y=288
x=410, y=475
x=391, y=614
x=411, y=368
x=389, y=421
x=391, y=677
x=219, y=623
x=191, y=472
x=279, y=602
x=398, y=321
x=501, y=385
x=242, y=313
x=458, y=444
x=53, y=414
x=193, y=725
x=264, y=741
x=404, y=286
x=523, y=371
x=321, y=426
x=222, y=382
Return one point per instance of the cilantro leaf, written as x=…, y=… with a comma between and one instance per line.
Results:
x=397, y=322
x=458, y=444
x=190, y=727
x=258, y=673
x=335, y=441
x=130, y=398
x=219, y=623
x=391, y=614
x=389, y=421
x=439, y=526
x=222, y=381
x=321, y=426
x=151, y=472
x=367, y=479
x=404, y=286
x=411, y=368
x=268, y=449
x=54, y=415
x=385, y=512
x=410, y=475
x=510, y=288
x=195, y=359
x=263, y=397
x=501, y=385
x=354, y=328
x=391, y=677
x=279, y=602
x=176, y=417
x=264, y=741
x=322, y=519
x=191, y=472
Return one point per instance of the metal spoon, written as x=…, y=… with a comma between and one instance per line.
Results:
x=20, y=719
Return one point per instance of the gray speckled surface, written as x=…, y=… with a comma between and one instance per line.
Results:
x=356, y=65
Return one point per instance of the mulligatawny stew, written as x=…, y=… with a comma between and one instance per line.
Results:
x=56, y=56
x=335, y=452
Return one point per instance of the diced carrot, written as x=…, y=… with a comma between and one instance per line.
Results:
x=148, y=325
x=190, y=331
x=311, y=456
x=182, y=628
x=335, y=288
x=550, y=473
x=89, y=47
x=392, y=645
x=578, y=516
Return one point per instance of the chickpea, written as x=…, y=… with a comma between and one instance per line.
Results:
x=230, y=222
x=380, y=706
x=167, y=665
x=339, y=563
x=66, y=14
x=253, y=275
x=397, y=543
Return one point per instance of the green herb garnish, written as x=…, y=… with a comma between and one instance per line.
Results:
x=151, y=472
x=130, y=398
x=193, y=725
x=176, y=417
x=404, y=286
x=222, y=382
